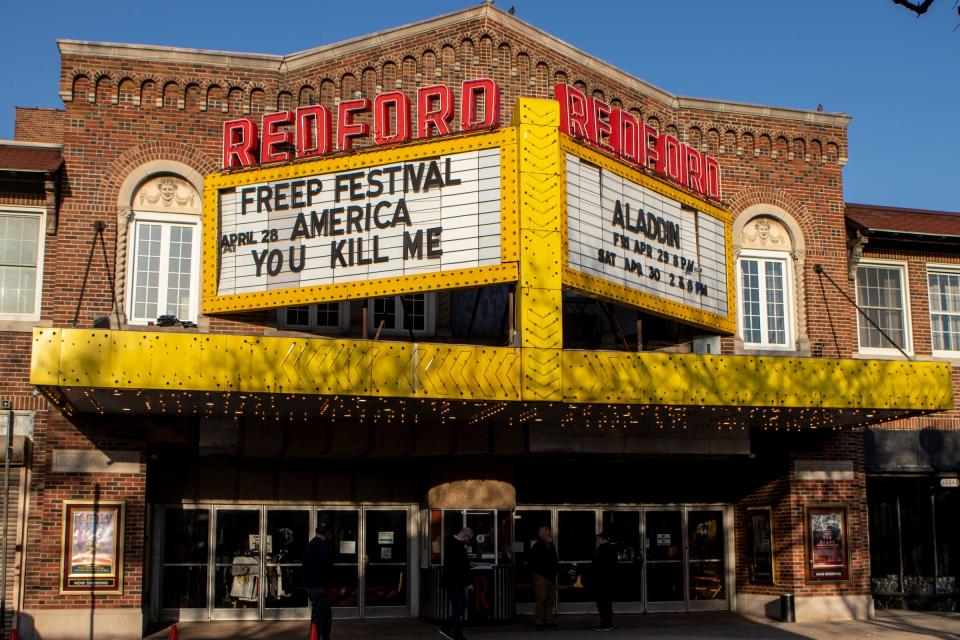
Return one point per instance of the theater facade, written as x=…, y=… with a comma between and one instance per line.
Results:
x=454, y=273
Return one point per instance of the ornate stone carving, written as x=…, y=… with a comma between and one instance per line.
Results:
x=167, y=194
x=765, y=233
x=855, y=245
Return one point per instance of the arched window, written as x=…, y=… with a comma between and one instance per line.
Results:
x=765, y=279
x=163, y=262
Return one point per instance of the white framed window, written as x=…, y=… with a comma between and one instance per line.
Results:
x=943, y=287
x=766, y=300
x=164, y=267
x=401, y=315
x=882, y=294
x=333, y=317
x=21, y=263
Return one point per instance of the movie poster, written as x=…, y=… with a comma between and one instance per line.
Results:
x=92, y=559
x=761, y=546
x=827, y=543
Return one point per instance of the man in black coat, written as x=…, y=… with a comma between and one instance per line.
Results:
x=455, y=579
x=318, y=579
x=604, y=576
x=544, y=564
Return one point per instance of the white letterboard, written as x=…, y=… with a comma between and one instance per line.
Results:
x=405, y=218
x=671, y=252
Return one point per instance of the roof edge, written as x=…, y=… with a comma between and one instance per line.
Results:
x=296, y=60
x=22, y=143
x=169, y=54
x=887, y=208
x=672, y=99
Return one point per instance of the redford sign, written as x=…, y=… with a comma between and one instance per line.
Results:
x=312, y=132
x=618, y=132
x=309, y=132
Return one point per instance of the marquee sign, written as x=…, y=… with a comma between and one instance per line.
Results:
x=641, y=242
x=424, y=217
x=442, y=213
x=394, y=219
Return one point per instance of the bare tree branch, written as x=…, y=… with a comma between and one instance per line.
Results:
x=918, y=8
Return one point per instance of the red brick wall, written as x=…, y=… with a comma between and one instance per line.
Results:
x=917, y=262
x=787, y=496
x=45, y=528
x=33, y=124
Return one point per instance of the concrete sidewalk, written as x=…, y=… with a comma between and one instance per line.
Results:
x=700, y=626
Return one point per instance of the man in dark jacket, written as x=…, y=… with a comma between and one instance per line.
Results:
x=455, y=579
x=604, y=575
x=543, y=564
x=318, y=579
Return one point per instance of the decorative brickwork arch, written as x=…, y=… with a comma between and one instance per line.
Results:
x=131, y=170
x=757, y=203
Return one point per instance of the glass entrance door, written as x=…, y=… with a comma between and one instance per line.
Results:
x=237, y=564
x=706, y=567
x=386, y=588
x=576, y=540
x=623, y=527
x=527, y=523
x=344, y=525
x=287, y=533
x=664, y=560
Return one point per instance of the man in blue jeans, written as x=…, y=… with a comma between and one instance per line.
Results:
x=318, y=579
x=455, y=579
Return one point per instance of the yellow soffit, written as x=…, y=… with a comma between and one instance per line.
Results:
x=187, y=362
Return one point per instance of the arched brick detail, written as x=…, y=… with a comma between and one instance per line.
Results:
x=793, y=214
x=128, y=171
x=778, y=197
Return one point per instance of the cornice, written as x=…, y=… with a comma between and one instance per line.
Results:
x=335, y=51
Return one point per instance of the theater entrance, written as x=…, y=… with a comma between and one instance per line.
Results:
x=671, y=558
x=243, y=562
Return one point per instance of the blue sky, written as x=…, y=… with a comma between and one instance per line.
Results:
x=894, y=73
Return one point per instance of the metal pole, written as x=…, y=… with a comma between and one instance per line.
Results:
x=6, y=524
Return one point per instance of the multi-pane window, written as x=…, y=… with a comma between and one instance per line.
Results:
x=765, y=304
x=164, y=269
x=881, y=295
x=328, y=316
x=21, y=254
x=399, y=315
x=944, y=290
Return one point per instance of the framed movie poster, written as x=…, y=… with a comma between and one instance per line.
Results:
x=92, y=547
x=827, y=543
x=761, y=545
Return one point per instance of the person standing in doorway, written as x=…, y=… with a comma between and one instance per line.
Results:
x=455, y=579
x=604, y=575
x=544, y=564
x=318, y=579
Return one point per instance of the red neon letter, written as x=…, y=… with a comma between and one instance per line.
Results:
x=439, y=118
x=272, y=138
x=649, y=156
x=714, y=188
x=309, y=118
x=239, y=143
x=469, y=101
x=573, y=111
x=625, y=136
x=383, y=104
x=600, y=113
x=668, y=160
x=347, y=129
x=691, y=167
